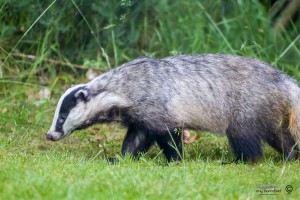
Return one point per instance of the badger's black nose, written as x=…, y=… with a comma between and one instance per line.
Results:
x=49, y=137
x=54, y=135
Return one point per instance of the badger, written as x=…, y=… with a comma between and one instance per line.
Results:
x=245, y=99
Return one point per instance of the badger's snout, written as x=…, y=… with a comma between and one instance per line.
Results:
x=54, y=136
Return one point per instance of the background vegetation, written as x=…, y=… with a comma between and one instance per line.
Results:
x=46, y=46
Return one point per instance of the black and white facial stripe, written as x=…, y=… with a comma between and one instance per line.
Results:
x=79, y=108
x=67, y=102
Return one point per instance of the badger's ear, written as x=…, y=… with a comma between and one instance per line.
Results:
x=82, y=94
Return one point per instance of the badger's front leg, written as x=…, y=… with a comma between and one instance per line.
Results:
x=136, y=141
x=171, y=144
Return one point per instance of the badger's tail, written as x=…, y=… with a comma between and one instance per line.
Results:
x=294, y=115
x=294, y=124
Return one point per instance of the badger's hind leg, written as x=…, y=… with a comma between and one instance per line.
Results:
x=245, y=142
x=136, y=141
x=171, y=144
x=283, y=142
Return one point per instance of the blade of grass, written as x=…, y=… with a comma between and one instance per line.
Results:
x=93, y=33
x=27, y=31
x=287, y=49
x=115, y=47
x=3, y=5
x=216, y=27
x=174, y=145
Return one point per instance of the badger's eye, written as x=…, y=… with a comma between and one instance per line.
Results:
x=61, y=119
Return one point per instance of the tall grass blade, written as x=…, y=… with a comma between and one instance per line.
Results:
x=288, y=48
x=93, y=33
x=27, y=31
x=216, y=27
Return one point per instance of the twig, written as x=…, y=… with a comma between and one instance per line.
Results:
x=55, y=62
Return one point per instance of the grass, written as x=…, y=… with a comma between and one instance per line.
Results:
x=76, y=167
x=102, y=35
x=63, y=175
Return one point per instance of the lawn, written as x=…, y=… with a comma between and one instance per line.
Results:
x=44, y=52
x=77, y=167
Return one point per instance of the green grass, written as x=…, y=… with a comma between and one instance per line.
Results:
x=76, y=167
x=65, y=175
x=75, y=32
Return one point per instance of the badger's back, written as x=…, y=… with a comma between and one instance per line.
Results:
x=198, y=91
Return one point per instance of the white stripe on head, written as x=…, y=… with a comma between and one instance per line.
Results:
x=84, y=112
x=52, y=129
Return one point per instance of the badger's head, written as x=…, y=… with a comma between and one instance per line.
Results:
x=79, y=108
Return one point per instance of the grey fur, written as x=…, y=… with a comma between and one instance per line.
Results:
x=225, y=94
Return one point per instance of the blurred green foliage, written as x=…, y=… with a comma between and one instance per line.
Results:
x=127, y=29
